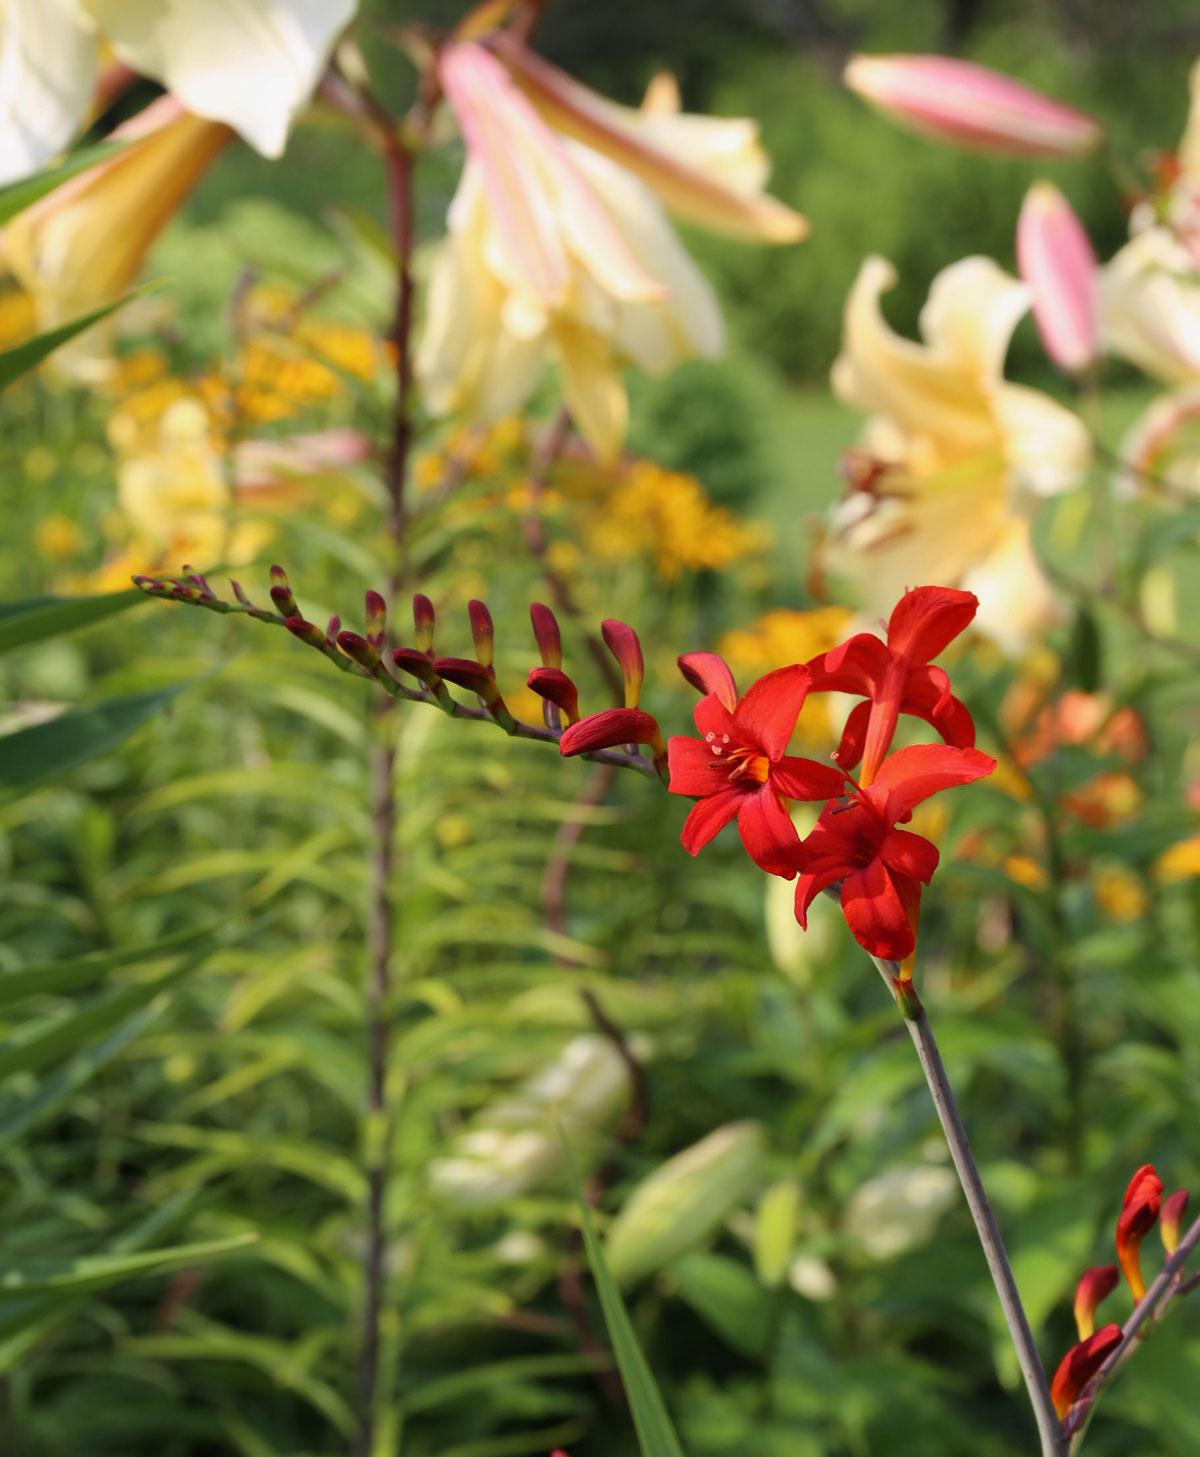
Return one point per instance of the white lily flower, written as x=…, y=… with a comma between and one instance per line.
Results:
x=955, y=456
x=252, y=64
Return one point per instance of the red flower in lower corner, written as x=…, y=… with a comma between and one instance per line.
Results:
x=1079, y=1365
x=1139, y=1214
x=882, y=868
x=741, y=769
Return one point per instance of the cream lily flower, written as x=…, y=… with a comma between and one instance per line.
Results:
x=252, y=64
x=558, y=252
x=1150, y=306
x=82, y=245
x=954, y=456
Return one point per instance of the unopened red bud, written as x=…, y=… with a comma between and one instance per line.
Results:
x=609, y=730
x=358, y=648
x=622, y=642
x=1139, y=1214
x=307, y=632
x=1094, y=1286
x=376, y=615
x=483, y=633
x=152, y=586
x=467, y=673
x=1079, y=1365
x=710, y=673
x=424, y=619
x=1173, y=1211
x=281, y=593
x=236, y=588
x=419, y=665
x=553, y=685
x=334, y=627
x=546, y=634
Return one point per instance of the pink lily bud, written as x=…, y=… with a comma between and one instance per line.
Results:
x=622, y=642
x=609, y=730
x=483, y=633
x=971, y=106
x=710, y=673
x=424, y=619
x=1094, y=1286
x=281, y=593
x=1173, y=1211
x=555, y=687
x=1055, y=259
x=363, y=652
x=546, y=634
x=376, y=614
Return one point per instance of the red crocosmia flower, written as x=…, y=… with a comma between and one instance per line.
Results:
x=1172, y=1217
x=1094, y=1286
x=1139, y=1214
x=1079, y=1365
x=556, y=687
x=610, y=729
x=896, y=677
x=882, y=868
x=710, y=673
x=741, y=769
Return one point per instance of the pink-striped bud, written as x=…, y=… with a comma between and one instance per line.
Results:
x=546, y=634
x=1171, y=1218
x=622, y=642
x=609, y=730
x=307, y=632
x=710, y=673
x=281, y=593
x=555, y=687
x=424, y=620
x=1094, y=1286
x=417, y=664
x=376, y=615
x=971, y=106
x=1055, y=259
x=364, y=653
x=483, y=633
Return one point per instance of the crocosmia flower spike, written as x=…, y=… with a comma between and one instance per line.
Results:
x=1139, y=1214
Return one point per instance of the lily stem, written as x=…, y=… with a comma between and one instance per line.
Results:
x=1050, y=1430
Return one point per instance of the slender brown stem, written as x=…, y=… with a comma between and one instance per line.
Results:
x=1050, y=1431
x=381, y=911
x=1152, y=1307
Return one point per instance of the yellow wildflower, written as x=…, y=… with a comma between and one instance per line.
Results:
x=786, y=635
x=1180, y=861
x=1025, y=871
x=18, y=317
x=1120, y=894
x=58, y=538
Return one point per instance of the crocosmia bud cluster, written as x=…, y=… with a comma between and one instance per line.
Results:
x=1141, y=1209
x=739, y=769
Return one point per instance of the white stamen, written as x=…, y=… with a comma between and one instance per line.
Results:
x=724, y=738
x=708, y=738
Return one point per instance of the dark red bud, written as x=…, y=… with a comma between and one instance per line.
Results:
x=1173, y=1211
x=609, y=730
x=547, y=635
x=553, y=685
x=307, y=632
x=236, y=588
x=483, y=633
x=418, y=664
x=281, y=593
x=358, y=648
x=424, y=620
x=152, y=586
x=376, y=615
x=1079, y=1365
x=710, y=673
x=332, y=630
x=622, y=642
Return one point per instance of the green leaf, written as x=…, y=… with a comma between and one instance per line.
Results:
x=95, y=1272
x=727, y=1297
x=17, y=196
x=55, y=977
x=22, y=358
x=39, y=617
x=32, y=756
x=656, y=1435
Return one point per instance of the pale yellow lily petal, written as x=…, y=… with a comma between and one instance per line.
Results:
x=662, y=94
x=1162, y=446
x=83, y=244
x=1017, y=605
x=47, y=72
x=253, y=64
x=879, y=371
x=1150, y=306
x=706, y=170
x=1189, y=143
x=969, y=318
x=592, y=388
x=1046, y=446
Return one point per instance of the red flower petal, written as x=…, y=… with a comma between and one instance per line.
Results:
x=850, y=748
x=854, y=666
x=911, y=775
x=811, y=881
x=608, y=730
x=1079, y=1365
x=708, y=818
x=875, y=913
x=1094, y=1286
x=710, y=673
x=910, y=855
x=768, y=713
x=694, y=770
x=926, y=619
x=797, y=778
x=712, y=717
x=928, y=696
x=767, y=832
